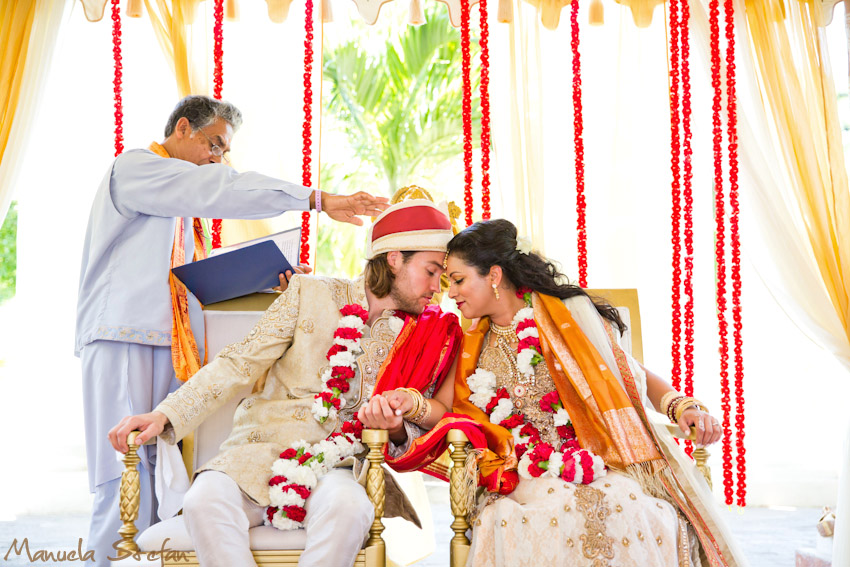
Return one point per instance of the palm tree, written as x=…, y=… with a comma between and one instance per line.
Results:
x=400, y=111
x=401, y=107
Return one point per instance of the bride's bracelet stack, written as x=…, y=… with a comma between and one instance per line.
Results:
x=421, y=408
x=673, y=405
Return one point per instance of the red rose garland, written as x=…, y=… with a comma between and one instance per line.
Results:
x=298, y=469
x=485, y=111
x=676, y=190
x=218, y=82
x=466, y=111
x=306, y=132
x=116, y=80
x=720, y=241
x=342, y=359
x=734, y=236
x=578, y=134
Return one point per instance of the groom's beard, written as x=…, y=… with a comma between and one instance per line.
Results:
x=403, y=299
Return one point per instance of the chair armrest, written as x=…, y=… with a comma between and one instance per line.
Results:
x=129, y=497
x=460, y=497
x=376, y=440
x=701, y=454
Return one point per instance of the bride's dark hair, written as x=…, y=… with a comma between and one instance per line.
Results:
x=494, y=243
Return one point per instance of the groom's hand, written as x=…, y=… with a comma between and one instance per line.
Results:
x=377, y=414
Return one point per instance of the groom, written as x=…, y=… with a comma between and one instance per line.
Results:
x=287, y=354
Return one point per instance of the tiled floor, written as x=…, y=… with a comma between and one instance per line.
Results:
x=769, y=537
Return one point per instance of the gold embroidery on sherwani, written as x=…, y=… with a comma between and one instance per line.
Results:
x=278, y=321
x=595, y=543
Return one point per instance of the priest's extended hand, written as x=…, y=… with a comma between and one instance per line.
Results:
x=345, y=208
x=150, y=424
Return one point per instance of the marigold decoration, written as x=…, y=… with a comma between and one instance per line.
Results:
x=298, y=469
x=734, y=236
x=484, y=43
x=466, y=113
x=578, y=134
x=218, y=82
x=306, y=133
x=117, y=77
x=536, y=458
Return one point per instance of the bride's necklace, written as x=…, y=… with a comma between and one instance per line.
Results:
x=506, y=339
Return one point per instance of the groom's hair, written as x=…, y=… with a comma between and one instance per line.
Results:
x=379, y=274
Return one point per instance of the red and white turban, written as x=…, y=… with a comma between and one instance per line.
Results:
x=413, y=225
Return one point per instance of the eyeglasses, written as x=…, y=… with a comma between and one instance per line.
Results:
x=215, y=149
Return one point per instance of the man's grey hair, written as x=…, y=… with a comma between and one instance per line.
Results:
x=201, y=111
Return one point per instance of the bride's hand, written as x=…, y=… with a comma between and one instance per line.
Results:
x=708, y=429
x=400, y=401
x=377, y=414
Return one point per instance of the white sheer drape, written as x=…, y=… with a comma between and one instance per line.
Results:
x=518, y=115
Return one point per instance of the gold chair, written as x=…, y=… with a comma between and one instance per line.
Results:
x=626, y=302
x=271, y=547
x=373, y=553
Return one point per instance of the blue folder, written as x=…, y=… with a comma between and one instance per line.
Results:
x=234, y=274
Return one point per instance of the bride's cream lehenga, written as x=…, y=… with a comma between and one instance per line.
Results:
x=548, y=522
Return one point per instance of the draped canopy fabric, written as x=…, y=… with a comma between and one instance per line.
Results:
x=550, y=10
x=28, y=35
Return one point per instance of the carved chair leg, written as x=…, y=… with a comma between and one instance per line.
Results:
x=376, y=549
x=701, y=457
x=459, y=498
x=130, y=497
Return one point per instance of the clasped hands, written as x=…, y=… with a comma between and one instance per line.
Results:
x=385, y=411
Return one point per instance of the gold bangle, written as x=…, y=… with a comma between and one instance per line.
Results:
x=664, y=405
x=423, y=414
x=688, y=403
x=418, y=402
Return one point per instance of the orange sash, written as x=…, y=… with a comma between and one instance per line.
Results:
x=184, y=349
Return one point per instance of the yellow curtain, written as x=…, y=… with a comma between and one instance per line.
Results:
x=796, y=86
x=16, y=23
x=172, y=22
x=28, y=35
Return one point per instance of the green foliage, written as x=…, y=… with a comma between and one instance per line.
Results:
x=399, y=106
x=8, y=253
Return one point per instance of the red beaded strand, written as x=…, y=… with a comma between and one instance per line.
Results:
x=734, y=235
x=218, y=82
x=485, y=110
x=687, y=210
x=306, y=177
x=676, y=190
x=117, y=77
x=578, y=134
x=218, y=51
x=467, y=109
x=720, y=245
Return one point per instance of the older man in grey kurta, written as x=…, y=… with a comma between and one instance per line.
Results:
x=124, y=312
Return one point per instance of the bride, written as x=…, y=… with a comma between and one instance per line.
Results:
x=565, y=407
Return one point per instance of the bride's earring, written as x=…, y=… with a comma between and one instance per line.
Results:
x=496, y=291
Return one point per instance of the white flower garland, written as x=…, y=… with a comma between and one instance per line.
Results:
x=297, y=471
